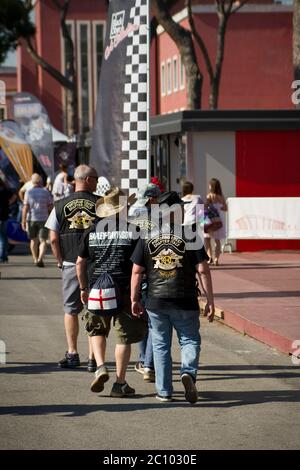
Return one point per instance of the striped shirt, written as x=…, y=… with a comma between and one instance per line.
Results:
x=38, y=199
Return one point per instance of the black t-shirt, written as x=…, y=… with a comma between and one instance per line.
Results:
x=193, y=257
x=5, y=195
x=109, y=251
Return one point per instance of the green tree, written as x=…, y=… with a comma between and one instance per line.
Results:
x=14, y=23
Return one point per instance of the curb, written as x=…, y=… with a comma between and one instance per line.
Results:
x=254, y=330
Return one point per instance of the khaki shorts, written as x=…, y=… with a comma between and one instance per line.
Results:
x=129, y=329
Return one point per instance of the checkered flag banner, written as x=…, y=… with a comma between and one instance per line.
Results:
x=121, y=137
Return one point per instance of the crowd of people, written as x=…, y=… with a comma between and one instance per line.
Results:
x=127, y=266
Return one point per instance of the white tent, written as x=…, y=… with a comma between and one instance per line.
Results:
x=58, y=136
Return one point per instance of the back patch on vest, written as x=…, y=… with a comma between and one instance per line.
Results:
x=167, y=258
x=80, y=213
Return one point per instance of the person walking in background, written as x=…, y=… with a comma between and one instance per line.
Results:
x=68, y=222
x=68, y=185
x=192, y=204
x=7, y=197
x=37, y=205
x=25, y=187
x=215, y=198
x=141, y=213
x=58, y=185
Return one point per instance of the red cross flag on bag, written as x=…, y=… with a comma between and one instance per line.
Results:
x=104, y=297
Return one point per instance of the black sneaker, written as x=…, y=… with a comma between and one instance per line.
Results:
x=121, y=390
x=91, y=365
x=191, y=392
x=101, y=376
x=70, y=361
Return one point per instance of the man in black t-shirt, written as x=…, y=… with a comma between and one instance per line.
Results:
x=106, y=249
x=171, y=258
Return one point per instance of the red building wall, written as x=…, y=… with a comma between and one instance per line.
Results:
x=268, y=165
x=258, y=70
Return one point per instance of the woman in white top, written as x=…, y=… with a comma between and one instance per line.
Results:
x=216, y=199
x=192, y=204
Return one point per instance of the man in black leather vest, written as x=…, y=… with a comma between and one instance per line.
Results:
x=171, y=259
x=68, y=222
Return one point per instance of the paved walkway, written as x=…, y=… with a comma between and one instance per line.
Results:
x=249, y=394
x=260, y=296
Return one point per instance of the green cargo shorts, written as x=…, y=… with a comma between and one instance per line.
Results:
x=129, y=329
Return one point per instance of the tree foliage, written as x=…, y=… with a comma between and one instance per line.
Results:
x=15, y=23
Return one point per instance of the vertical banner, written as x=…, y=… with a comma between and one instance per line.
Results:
x=120, y=148
x=34, y=121
x=8, y=173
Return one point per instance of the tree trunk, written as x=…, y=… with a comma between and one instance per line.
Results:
x=184, y=42
x=72, y=111
x=215, y=84
x=71, y=93
x=69, y=80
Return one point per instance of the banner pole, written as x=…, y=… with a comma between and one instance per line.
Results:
x=148, y=94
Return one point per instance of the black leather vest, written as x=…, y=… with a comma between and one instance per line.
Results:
x=75, y=214
x=170, y=274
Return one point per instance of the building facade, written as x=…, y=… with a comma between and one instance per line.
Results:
x=257, y=69
x=257, y=73
x=8, y=88
x=257, y=76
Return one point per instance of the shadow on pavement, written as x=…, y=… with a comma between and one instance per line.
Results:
x=27, y=278
x=43, y=368
x=220, y=399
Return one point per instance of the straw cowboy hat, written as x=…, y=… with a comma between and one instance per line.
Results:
x=113, y=203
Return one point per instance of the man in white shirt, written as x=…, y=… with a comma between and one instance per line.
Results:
x=58, y=185
x=37, y=205
x=193, y=204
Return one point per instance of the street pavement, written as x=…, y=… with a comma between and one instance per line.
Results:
x=249, y=394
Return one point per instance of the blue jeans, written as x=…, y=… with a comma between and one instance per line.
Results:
x=3, y=241
x=146, y=349
x=186, y=324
